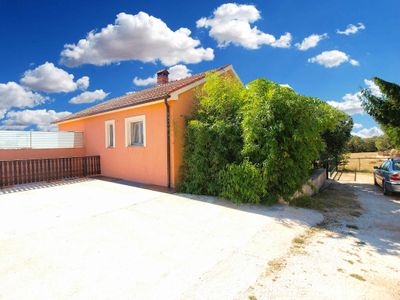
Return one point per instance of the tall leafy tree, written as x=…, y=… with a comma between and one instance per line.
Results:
x=384, y=108
x=283, y=135
x=337, y=137
x=213, y=134
x=256, y=143
x=383, y=143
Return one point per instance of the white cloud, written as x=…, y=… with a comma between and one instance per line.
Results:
x=41, y=118
x=14, y=95
x=368, y=132
x=231, y=24
x=351, y=29
x=351, y=104
x=354, y=62
x=136, y=37
x=357, y=126
x=144, y=81
x=331, y=59
x=311, y=41
x=83, y=83
x=375, y=90
x=286, y=85
x=179, y=72
x=284, y=41
x=175, y=73
x=49, y=78
x=89, y=97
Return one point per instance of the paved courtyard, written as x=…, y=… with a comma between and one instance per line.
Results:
x=95, y=239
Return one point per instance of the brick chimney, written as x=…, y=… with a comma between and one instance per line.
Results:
x=162, y=76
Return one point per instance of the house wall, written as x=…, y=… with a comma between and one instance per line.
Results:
x=139, y=164
x=181, y=109
x=13, y=154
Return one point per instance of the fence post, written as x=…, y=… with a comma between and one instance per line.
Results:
x=1, y=175
x=48, y=170
x=337, y=164
x=327, y=169
x=84, y=163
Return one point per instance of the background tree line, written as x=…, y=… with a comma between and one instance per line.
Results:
x=373, y=144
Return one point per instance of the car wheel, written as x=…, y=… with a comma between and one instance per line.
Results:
x=385, y=190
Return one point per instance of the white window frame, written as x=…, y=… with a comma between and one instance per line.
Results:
x=106, y=124
x=128, y=121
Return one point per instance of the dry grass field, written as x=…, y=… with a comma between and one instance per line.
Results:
x=363, y=161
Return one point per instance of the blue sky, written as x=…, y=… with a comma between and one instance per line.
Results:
x=260, y=39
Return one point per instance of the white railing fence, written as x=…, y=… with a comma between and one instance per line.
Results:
x=40, y=140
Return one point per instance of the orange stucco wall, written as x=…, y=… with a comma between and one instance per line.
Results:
x=181, y=109
x=139, y=164
x=12, y=154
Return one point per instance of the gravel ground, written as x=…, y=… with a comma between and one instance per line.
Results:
x=92, y=239
x=353, y=254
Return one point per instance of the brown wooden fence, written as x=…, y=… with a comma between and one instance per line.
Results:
x=21, y=171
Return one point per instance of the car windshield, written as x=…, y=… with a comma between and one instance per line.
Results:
x=396, y=165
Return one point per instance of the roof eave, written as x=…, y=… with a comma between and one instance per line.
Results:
x=127, y=107
x=173, y=96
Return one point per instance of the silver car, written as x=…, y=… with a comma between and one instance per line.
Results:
x=388, y=176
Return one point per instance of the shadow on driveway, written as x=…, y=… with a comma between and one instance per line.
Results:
x=362, y=211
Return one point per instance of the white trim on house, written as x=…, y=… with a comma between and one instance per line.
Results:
x=174, y=95
x=128, y=135
x=107, y=134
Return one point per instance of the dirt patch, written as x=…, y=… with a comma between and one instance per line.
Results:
x=335, y=201
x=274, y=266
x=359, y=277
x=345, y=256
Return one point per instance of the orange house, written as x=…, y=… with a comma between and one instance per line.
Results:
x=140, y=136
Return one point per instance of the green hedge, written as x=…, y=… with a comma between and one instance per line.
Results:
x=213, y=135
x=243, y=183
x=253, y=144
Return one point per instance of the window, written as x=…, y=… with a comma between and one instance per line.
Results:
x=110, y=134
x=386, y=166
x=135, y=130
x=396, y=165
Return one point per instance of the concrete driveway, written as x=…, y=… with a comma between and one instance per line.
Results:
x=93, y=239
x=354, y=254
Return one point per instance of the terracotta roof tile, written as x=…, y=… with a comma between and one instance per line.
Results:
x=152, y=94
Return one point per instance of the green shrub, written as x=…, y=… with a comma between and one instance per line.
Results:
x=243, y=183
x=209, y=148
x=336, y=138
x=213, y=135
x=282, y=133
x=254, y=144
